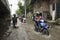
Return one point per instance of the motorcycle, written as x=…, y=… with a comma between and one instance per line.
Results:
x=44, y=29
x=41, y=26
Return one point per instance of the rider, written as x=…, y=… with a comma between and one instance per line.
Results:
x=37, y=19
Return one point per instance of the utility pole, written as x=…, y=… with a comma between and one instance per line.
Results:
x=25, y=8
x=55, y=8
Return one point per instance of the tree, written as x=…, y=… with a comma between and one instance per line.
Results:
x=21, y=9
x=28, y=6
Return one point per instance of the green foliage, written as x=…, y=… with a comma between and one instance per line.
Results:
x=21, y=9
x=28, y=6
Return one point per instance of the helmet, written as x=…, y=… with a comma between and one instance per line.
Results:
x=40, y=14
x=37, y=12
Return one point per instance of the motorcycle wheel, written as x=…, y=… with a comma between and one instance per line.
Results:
x=45, y=31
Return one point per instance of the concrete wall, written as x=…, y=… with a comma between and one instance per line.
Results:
x=45, y=7
x=41, y=6
x=4, y=17
x=5, y=2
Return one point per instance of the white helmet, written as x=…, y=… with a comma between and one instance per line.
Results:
x=37, y=12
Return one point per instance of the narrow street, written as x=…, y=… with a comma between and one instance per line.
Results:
x=26, y=32
x=29, y=9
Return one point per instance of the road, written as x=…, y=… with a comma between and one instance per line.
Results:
x=26, y=31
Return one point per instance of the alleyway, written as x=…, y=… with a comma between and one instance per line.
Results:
x=26, y=32
x=50, y=9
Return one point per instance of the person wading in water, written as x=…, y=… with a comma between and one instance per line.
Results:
x=14, y=20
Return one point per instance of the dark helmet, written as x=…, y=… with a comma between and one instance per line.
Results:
x=40, y=14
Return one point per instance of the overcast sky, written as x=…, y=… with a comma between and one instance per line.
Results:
x=14, y=5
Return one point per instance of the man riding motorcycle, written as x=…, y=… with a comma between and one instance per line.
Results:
x=37, y=20
x=40, y=22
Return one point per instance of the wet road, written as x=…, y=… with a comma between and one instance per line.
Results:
x=26, y=31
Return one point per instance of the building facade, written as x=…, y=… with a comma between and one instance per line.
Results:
x=47, y=7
